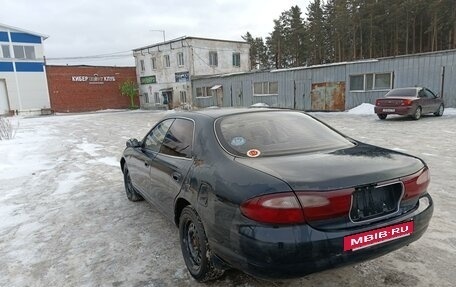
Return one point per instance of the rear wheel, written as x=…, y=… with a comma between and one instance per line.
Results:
x=382, y=116
x=439, y=112
x=195, y=247
x=417, y=114
x=130, y=190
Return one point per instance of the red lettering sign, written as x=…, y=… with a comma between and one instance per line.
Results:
x=377, y=236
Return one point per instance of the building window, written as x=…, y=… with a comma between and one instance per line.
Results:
x=29, y=52
x=24, y=52
x=157, y=98
x=203, y=92
x=213, y=60
x=6, y=51
x=265, y=88
x=180, y=59
x=141, y=65
x=236, y=59
x=382, y=81
x=154, y=63
x=370, y=82
x=183, y=96
x=166, y=61
x=146, y=98
x=357, y=83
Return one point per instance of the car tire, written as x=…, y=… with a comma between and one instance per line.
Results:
x=130, y=190
x=439, y=112
x=382, y=116
x=417, y=114
x=195, y=247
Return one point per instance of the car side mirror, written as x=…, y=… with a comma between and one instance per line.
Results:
x=133, y=143
x=437, y=95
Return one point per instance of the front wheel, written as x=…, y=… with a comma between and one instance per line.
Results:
x=195, y=247
x=417, y=114
x=382, y=116
x=130, y=190
x=439, y=112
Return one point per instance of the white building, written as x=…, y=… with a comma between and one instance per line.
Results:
x=23, y=83
x=165, y=70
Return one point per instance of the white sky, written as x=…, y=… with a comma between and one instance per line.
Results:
x=93, y=27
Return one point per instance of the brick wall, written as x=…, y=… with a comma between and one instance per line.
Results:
x=88, y=88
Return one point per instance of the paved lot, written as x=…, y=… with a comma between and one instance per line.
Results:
x=65, y=220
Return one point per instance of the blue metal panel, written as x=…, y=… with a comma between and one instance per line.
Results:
x=29, y=67
x=6, y=67
x=25, y=38
x=4, y=37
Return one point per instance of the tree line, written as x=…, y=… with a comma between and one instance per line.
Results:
x=347, y=30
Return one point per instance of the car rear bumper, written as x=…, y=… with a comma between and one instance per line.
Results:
x=295, y=251
x=408, y=110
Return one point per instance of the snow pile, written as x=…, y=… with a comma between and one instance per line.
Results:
x=450, y=112
x=260, y=105
x=363, y=109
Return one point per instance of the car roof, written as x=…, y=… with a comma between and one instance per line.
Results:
x=409, y=88
x=221, y=112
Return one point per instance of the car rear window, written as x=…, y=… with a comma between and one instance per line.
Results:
x=401, y=93
x=276, y=133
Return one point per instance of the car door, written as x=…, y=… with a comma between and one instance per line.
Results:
x=172, y=164
x=139, y=164
x=434, y=101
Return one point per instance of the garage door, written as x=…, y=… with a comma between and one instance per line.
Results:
x=328, y=96
x=4, y=106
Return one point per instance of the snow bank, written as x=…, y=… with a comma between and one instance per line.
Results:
x=363, y=109
x=260, y=105
x=450, y=112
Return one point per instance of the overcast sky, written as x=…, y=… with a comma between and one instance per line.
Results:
x=93, y=27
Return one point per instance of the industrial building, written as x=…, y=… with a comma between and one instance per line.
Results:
x=23, y=85
x=331, y=87
x=165, y=70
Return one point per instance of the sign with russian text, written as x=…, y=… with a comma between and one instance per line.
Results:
x=182, y=77
x=93, y=79
x=148, y=80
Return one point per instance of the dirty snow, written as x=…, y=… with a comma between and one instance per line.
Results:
x=65, y=220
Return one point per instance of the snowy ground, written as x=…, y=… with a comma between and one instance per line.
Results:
x=65, y=220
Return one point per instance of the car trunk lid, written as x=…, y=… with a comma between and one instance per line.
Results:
x=368, y=174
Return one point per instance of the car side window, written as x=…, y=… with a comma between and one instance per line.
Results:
x=179, y=139
x=421, y=94
x=155, y=138
x=429, y=94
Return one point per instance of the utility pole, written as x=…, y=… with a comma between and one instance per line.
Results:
x=162, y=31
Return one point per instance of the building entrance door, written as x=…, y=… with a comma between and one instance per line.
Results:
x=4, y=103
x=168, y=99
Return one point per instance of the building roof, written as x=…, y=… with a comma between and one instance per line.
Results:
x=186, y=38
x=24, y=31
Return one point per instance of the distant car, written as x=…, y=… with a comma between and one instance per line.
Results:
x=412, y=102
x=275, y=193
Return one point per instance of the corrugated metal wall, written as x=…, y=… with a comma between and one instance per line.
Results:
x=294, y=85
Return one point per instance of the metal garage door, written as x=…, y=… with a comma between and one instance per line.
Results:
x=328, y=96
x=4, y=105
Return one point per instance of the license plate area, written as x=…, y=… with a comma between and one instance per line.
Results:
x=389, y=110
x=377, y=236
x=372, y=202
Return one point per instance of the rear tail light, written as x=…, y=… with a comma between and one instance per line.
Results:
x=326, y=204
x=378, y=102
x=288, y=208
x=416, y=184
x=406, y=102
x=278, y=208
